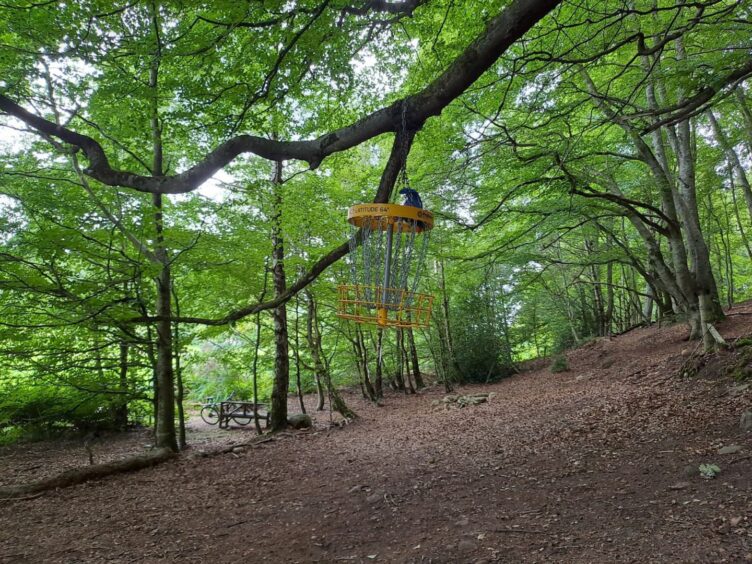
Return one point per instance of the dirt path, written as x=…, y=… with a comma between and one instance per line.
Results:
x=585, y=466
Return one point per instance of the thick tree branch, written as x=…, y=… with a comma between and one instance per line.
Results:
x=697, y=104
x=479, y=56
x=399, y=152
x=406, y=7
x=631, y=205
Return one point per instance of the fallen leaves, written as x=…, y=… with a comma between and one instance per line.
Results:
x=575, y=470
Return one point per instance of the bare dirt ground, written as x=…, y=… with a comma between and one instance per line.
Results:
x=596, y=464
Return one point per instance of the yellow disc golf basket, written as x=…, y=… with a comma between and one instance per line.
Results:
x=388, y=246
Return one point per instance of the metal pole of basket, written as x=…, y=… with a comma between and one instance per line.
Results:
x=387, y=276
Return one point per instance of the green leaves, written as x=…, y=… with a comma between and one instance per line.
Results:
x=709, y=471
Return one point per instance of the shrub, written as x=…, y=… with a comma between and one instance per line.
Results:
x=559, y=364
x=39, y=409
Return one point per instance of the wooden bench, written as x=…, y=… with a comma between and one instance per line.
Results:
x=242, y=413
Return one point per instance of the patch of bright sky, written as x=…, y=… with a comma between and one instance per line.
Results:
x=66, y=71
x=365, y=66
x=214, y=188
x=706, y=132
x=367, y=69
x=13, y=141
x=9, y=215
x=539, y=90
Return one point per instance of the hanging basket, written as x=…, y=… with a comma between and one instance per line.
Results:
x=360, y=304
x=388, y=246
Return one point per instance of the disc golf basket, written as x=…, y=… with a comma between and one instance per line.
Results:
x=388, y=245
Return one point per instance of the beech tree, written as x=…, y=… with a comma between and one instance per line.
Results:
x=161, y=36
x=588, y=163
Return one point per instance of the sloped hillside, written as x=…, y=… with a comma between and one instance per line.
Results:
x=596, y=464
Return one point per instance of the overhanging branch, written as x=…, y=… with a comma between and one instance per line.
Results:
x=697, y=103
x=501, y=32
x=400, y=149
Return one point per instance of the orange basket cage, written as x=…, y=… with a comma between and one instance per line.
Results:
x=364, y=304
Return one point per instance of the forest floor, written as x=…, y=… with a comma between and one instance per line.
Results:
x=597, y=464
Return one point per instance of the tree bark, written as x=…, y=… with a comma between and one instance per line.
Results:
x=378, y=385
x=86, y=473
x=498, y=35
x=446, y=326
x=296, y=329
x=737, y=216
x=733, y=159
x=256, y=346
x=182, y=443
x=282, y=360
x=404, y=361
x=414, y=359
x=362, y=355
x=705, y=285
x=674, y=203
x=746, y=113
x=165, y=418
x=313, y=347
x=165, y=432
x=121, y=411
x=319, y=363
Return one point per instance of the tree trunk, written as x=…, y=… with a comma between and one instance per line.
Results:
x=121, y=411
x=414, y=358
x=406, y=362
x=358, y=366
x=313, y=348
x=179, y=377
x=378, y=385
x=298, y=386
x=361, y=353
x=282, y=361
x=647, y=308
x=254, y=368
x=165, y=420
x=705, y=285
x=86, y=473
x=733, y=159
x=398, y=381
x=447, y=325
x=657, y=162
x=320, y=396
x=609, y=313
x=319, y=364
x=599, y=306
x=165, y=433
x=152, y=356
x=737, y=216
x=746, y=113
x=182, y=443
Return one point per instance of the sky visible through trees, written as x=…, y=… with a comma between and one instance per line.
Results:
x=174, y=180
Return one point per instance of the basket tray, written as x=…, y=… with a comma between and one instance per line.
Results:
x=366, y=305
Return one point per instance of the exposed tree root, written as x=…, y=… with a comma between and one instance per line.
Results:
x=81, y=475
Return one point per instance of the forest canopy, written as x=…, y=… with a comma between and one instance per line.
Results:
x=175, y=178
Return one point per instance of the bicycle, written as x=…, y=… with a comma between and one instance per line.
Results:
x=210, y=409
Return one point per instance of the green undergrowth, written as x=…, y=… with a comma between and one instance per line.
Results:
x=559, y=364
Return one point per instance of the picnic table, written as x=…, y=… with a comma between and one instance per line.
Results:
x=241, y=412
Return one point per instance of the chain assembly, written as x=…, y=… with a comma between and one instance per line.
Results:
x=402, y=180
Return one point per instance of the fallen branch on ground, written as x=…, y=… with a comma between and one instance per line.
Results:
x=523, y=531
x=25, y=498
x=459, y=400
x=95, y=472
x=256, y=441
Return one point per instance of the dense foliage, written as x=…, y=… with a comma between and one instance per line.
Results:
x=595, y=177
